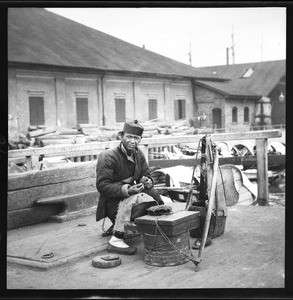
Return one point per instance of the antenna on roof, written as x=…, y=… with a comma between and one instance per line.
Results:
x=232, y=47
x=261, y=47
x=190, y=51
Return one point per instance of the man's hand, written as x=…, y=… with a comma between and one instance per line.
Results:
x=135, y=189
x=148, y=183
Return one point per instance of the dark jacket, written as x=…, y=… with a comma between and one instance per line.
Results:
x=114, y=173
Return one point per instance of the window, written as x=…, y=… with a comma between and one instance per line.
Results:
x=234, y=115
x=153, y=112
x=120, y=105
x=246, y=114
x=248, y=73
x=179, y=107
x=36, y=109
x=82, y=113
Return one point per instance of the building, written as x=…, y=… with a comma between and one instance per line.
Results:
x=62, y=73
x=267, y=79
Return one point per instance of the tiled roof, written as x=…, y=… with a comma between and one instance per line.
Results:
x=262, y=81
x=37, y=36
x=228, y=88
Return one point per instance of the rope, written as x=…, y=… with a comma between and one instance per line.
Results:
x=168, y=240
x=103, y=225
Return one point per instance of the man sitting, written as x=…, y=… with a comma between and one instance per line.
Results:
x=125, y=186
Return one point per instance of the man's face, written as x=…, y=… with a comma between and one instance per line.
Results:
x=130, y=141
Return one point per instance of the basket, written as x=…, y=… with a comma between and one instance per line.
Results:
x=217, y=224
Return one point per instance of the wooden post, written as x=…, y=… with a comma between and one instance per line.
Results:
x=262, y=171
x=28, y=161
x=32, y=162
x=145, y=151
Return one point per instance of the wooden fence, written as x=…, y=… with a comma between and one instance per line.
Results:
x=90, y=151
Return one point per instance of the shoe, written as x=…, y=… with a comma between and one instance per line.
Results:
x=127, y=251
x=117, y=245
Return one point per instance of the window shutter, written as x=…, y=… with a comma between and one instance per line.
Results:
x=183, y=109
x=246, y=114
x=36, y=109
x=120, y=108
x=82, y=115
x=153, y=113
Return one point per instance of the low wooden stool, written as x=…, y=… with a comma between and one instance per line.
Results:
x=167, y=249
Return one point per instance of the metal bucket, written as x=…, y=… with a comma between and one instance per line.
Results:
x=159, y=252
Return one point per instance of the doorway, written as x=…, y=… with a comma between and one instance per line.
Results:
x=217, y=118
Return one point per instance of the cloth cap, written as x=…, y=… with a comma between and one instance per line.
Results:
x=133, y=128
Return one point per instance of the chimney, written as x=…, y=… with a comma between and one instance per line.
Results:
x=227, y=56
x=143, y=46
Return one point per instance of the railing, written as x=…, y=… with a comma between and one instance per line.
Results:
x=268, y=127
x=90, y=151
x=252, y=128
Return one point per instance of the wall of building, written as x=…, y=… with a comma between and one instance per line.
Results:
x=208, y=100
x=80, y=87
x=137, y=92
x=240, y=104
x=149, y=89
x=60, y=90
x=180, y=91
x=117, y=88
x=23, y=84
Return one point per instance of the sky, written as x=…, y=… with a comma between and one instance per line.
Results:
x=257, y=33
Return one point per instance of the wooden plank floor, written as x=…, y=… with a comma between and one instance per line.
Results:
x=250, y=254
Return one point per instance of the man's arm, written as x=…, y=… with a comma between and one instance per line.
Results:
x=145, y=176
x=104, y=178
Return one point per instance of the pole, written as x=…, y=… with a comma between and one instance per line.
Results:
x=210, y=207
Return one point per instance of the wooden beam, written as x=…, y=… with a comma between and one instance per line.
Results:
x=62, y=149
x=150, y=142
x=24, y=198
x=68, y=172
x=246, y=161
x=71, y=202
x=145, y=151
x=250, y=135
x=262, y=172
x=32, y=215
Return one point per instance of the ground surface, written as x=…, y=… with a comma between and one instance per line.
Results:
x=250, y=254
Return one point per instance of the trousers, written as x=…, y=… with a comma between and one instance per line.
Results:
x=126, y=209
x=112, y=206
